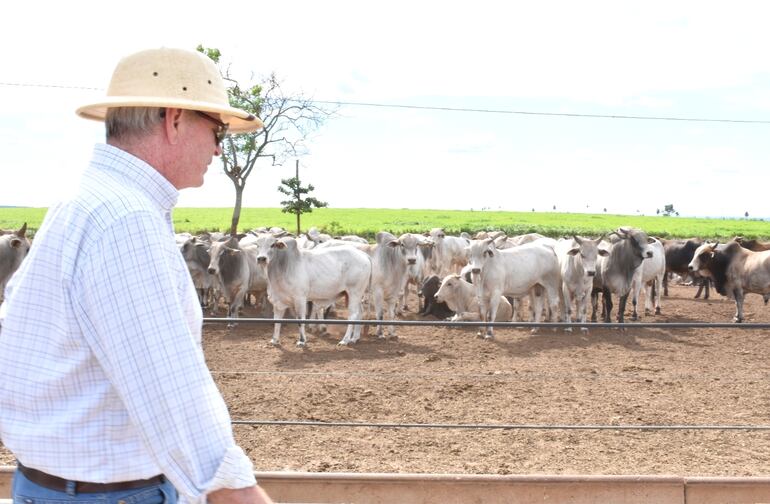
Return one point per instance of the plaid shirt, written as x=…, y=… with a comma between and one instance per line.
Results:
x=102, y=374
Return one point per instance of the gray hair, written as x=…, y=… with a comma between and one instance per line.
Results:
x=123, y=122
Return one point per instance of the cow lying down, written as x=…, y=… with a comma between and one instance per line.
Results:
x=460, y=297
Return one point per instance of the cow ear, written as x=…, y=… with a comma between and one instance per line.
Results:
x=573, y=251
x=490, y=252
x=15, y=243
x=394, y=243
x=650, y=240
x=279, y=244
x=603, y=252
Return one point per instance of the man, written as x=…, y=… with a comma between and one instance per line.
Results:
x=103, y=384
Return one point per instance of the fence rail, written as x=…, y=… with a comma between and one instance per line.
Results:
x=515, y=325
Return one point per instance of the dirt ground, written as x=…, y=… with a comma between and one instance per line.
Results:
x=448, y=376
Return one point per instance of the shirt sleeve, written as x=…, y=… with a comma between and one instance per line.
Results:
x=127, y=300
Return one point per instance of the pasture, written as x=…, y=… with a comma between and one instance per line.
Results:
x=367, y=222
x=439, y=375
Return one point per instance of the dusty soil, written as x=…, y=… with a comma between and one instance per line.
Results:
x=448, y=376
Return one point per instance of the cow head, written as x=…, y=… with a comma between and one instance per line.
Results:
x=268, y=245
x=637, y=239
x=588, y=251
x=218, y=251
x=408, y=244
x=447, y=288
x=479, y=252
x=702, y=256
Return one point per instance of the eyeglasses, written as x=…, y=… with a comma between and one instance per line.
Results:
x=221, y=131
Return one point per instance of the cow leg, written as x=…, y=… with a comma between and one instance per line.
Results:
x=707, y=281
x=236, y=302
x=606, y=305
x=300, y=307
x=392, y=316
x=700, y=288
x=552, y=295
x=278, y=312
x=353, y=333
x=537, y=312
x=622, y=300
x=378, y=311
x=566, y=312
x=665, y=283
x=494, y=303
x=594, y=303
x=738, y=294
x=581, y=303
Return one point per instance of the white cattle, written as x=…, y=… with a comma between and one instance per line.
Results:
x=577, y=264
x=416, y=271
x=13, y=249
x=650, y=276
x=513, y=272
x=449, y=252
x=390, y=262
x=460, y=296
x=614, y=273
x=237, y=270
x=196, y=255
x=297, y=276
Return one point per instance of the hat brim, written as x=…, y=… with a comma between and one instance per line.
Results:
x=239, y=120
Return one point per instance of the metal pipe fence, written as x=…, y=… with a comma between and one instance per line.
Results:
x=513, y=325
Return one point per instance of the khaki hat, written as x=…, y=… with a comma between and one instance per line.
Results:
x=174, y=78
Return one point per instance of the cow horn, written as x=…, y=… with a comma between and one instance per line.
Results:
x=20, y=233
x=577, y=239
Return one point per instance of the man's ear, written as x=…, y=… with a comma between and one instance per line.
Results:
x=171, y=122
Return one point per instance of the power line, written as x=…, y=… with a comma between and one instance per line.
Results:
x=460, y=109
x=54, y=86
x=547, y=114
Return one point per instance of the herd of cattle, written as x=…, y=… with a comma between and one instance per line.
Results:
x=485, y=278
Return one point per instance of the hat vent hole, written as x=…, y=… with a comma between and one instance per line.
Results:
x=209, y=81
x=154, y=74
x=184, y=88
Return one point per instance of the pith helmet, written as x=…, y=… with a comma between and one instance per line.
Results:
x=175, y=78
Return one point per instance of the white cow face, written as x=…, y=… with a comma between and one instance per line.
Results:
x=408, y=245
x=448, y=288
x=702, y=256
x=217, y=251
x=266, y=249
x=588, y=251
x=479, y=252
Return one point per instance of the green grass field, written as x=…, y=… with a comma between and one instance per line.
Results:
x=367, y=222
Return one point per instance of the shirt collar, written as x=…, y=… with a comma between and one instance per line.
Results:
x=144, y=176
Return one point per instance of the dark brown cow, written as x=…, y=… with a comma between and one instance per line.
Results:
x=735, y=270
x=754, y=245
x=679, y=253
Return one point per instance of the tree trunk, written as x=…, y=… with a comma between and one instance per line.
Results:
x=298, y=214
x=236, y=210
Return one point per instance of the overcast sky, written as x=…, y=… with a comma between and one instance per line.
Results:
x=683, y=59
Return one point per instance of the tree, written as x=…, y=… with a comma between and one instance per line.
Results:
x=668, y=210
x=296, y=204
x=288, y=120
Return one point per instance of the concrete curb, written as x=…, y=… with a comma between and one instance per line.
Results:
x=360, y=488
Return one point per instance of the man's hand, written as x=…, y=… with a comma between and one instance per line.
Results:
x=250, y=495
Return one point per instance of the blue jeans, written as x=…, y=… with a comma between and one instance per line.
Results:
x=26, y=492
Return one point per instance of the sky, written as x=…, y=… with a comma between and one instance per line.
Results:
x=675, y=59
